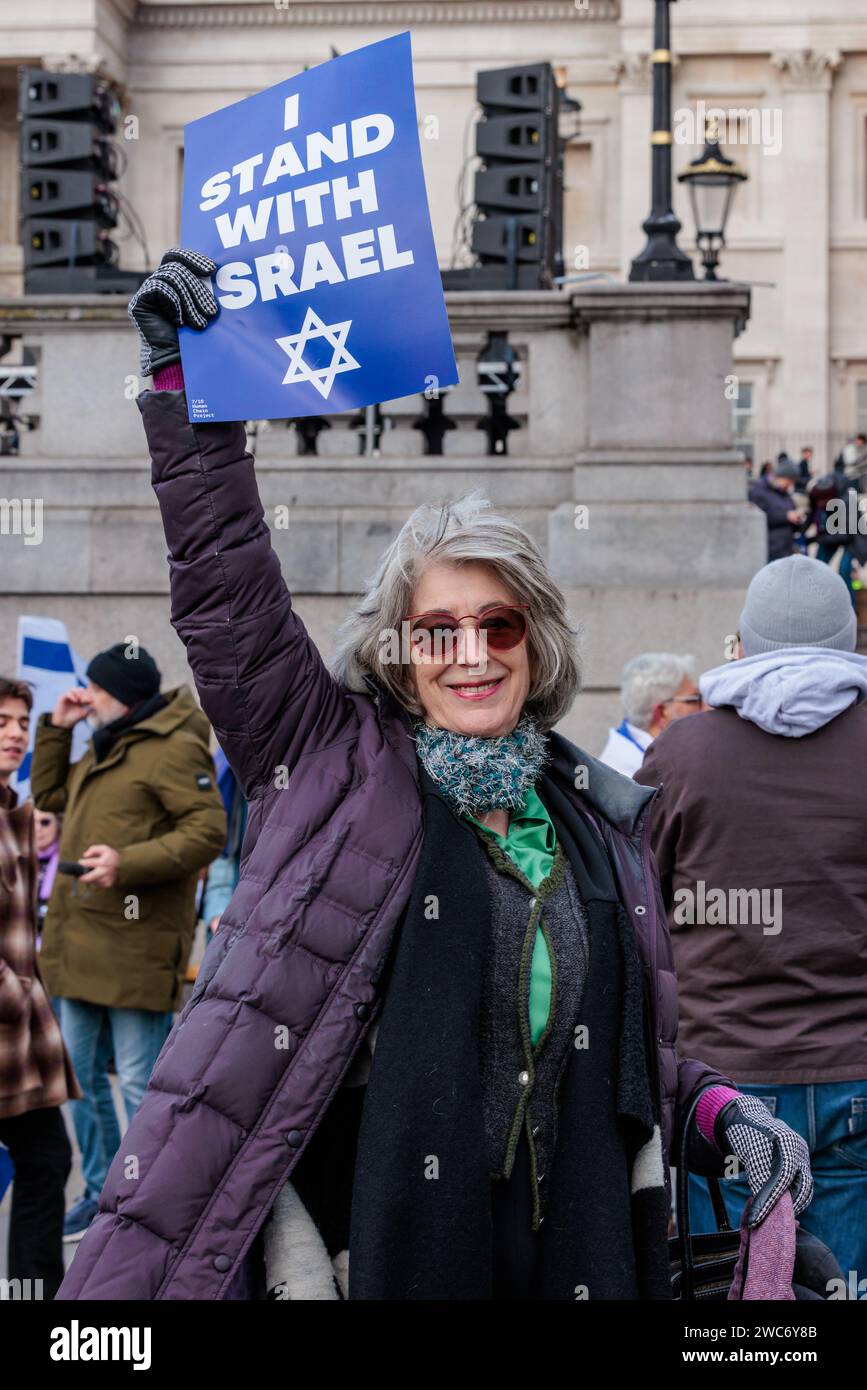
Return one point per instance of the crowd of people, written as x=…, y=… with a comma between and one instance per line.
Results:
x=808, y=511
x=432, y=1049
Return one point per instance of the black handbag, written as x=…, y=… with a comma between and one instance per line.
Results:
x=702, y=1266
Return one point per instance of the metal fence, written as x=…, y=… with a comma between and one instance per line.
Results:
x=765, y=445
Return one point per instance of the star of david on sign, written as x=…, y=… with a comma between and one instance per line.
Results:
x=322, y=378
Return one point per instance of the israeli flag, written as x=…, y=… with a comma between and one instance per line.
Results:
x=50, y=666
x=7, y=1170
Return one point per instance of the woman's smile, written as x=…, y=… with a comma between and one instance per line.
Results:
x=476, y=690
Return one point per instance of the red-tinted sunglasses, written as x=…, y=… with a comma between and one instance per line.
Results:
x=436, y=633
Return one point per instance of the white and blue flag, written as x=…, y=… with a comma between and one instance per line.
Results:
x=47, y=662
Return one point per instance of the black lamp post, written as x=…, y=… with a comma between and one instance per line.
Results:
x=711, y=179
x=662, y=258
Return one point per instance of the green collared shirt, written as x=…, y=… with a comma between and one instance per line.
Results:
x=530, y=843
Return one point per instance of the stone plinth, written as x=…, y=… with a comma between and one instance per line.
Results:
x=622, y=468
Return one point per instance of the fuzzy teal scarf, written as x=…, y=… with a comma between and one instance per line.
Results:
x=483, y=774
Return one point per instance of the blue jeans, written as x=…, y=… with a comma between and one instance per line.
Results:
x=825, y=553
x=832, y=1117
x=96, y=1126
x=93, y=1034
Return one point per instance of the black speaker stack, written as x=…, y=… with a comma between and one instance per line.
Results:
x=68, y=165
x=517, y=232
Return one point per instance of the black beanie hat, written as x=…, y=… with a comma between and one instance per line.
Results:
x=129, y=678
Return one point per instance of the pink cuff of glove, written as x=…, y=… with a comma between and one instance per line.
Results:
x=710, y=1103
x=169, y=378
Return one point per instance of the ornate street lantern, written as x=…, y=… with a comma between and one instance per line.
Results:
x=711, y=179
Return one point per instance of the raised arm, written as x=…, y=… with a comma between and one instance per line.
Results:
x=261, y=680
x=49, y=770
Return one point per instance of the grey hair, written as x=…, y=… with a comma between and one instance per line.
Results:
x=649, y=679
x=462, y=532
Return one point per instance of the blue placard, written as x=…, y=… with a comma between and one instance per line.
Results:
x=310, y=197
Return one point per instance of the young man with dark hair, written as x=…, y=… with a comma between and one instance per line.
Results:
x=36, y=1076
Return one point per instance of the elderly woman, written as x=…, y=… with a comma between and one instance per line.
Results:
x=428, y=865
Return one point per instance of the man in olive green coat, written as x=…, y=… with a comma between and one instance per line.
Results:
x=141, y=816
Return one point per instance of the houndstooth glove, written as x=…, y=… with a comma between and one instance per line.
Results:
x=178, y=292
x=776, y=1157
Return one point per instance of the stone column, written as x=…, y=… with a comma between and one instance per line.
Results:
x=659, y=543
x=10, y=240
x=632, y=73
x=806, y=76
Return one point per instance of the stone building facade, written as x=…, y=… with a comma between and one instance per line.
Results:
x=624, y=406
x=790, y=74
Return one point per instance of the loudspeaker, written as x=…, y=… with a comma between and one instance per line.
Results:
x=517, y=230
x=68, y=161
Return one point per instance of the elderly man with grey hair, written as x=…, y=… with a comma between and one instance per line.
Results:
x=656, y=688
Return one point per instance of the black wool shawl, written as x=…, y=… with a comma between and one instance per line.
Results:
x=421, y=1225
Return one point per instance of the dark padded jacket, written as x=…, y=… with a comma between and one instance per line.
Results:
x=289, y=984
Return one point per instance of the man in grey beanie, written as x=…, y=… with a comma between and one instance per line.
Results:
x=759, y=832
x=794, y=604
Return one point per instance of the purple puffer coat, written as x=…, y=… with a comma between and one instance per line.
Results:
x=287, y=988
